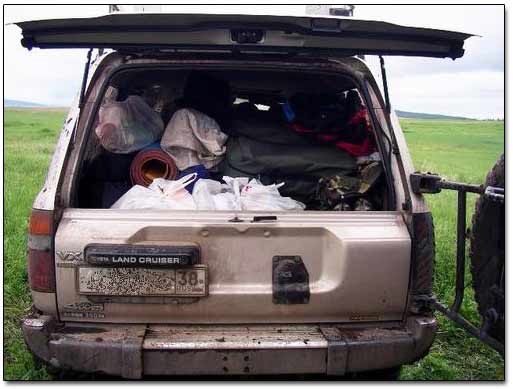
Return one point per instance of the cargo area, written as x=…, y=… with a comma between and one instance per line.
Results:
x=247, y=140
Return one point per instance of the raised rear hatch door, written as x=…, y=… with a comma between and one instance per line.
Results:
x=243, y=33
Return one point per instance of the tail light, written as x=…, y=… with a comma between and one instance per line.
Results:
x=423, y=254
x=41, y=264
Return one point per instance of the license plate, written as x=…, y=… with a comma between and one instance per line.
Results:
x=130, y=281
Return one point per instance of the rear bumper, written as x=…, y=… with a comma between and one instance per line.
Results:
x=132, y=351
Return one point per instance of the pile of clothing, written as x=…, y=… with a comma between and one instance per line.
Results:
x=340, y=121
x=316, y=138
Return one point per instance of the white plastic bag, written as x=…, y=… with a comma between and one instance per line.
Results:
x=127, y=126
x=193, y=138
x=212, y=195
x=175, y=192
x=140, y=197
x=241, y=194
x=258, y=197
x=204, y=192
x=161, y=194
x=254, y=196
x=237, y=194
x=236, y=184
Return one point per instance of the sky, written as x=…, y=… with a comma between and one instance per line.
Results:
x=472, y=86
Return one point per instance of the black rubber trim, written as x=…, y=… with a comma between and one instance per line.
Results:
x=149, y=256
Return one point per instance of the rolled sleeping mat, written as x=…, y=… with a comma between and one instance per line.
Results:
x=150, y=163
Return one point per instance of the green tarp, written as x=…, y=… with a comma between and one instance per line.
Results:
x=276, y=154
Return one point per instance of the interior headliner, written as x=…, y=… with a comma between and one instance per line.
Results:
x=259, y=81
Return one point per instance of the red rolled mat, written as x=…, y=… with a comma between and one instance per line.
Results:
x=150, y=164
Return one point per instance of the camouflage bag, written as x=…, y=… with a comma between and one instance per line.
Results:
x=343, y=193
x=333, y=193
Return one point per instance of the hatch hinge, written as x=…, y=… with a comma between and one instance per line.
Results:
x=385, y=84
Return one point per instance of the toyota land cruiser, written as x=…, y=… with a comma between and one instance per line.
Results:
x=136, y=292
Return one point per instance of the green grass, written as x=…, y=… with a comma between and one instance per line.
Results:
x=462, y=151
x=29, y=140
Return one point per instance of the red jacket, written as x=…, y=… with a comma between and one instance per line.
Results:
x=358, y=122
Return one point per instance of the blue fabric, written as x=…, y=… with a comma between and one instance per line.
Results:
x=201, y=172
x=288, y=111
x=155, y=145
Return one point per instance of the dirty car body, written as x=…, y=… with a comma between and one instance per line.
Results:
x=357, y=302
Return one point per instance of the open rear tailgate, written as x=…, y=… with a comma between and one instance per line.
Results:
x=261, y=33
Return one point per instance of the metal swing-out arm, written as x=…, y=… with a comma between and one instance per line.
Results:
x=432, y=183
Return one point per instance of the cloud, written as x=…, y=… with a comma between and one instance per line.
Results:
x=477, y=94
x=485, y=51
x=44, y=76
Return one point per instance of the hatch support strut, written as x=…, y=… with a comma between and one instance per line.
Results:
x=84, y=79
x=385, y=83
x=432, y=183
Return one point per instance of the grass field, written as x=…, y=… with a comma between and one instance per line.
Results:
x=462, y=151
